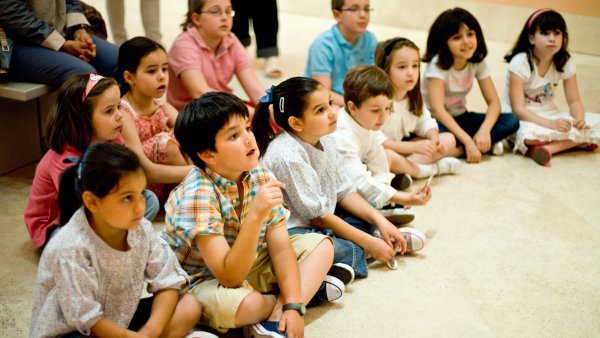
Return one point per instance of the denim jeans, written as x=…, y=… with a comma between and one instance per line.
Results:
x=345, y=251
x=152, y=205
x=506, y=125
x=34, y=63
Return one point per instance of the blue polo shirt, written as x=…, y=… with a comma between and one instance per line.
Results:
x=330, y=54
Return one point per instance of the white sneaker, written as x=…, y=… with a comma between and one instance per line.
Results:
x=498, y=148
x=398, y=216
x=448, y=165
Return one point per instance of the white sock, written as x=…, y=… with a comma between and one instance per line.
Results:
x=448, y=165
x=425, y=170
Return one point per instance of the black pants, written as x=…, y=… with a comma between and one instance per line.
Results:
x=264, y=20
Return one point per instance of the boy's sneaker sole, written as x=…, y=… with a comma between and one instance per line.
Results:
x=343, y=272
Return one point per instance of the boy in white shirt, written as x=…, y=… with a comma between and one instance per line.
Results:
x=368, y=94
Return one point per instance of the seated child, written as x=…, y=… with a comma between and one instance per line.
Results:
x=206, y=55
x=87, y=112
x=455, y=57
x=538, y=62
x=410, y=130
x=144, y=68
x=304, y=157
x=368, y=94
x=226, y=222
x=345, y=45
x=93, y=271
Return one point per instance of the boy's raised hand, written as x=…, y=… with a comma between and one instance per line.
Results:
x=268, y=197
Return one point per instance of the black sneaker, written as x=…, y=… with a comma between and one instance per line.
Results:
x=343, y=272
x=402, y=182
x=330, y=290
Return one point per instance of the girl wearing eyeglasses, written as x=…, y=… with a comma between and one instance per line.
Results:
x=206, y=55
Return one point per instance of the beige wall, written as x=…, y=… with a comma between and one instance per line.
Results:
x=501, y=20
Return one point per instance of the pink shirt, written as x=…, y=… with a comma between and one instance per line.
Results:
x=41, y=211
x=189, y=51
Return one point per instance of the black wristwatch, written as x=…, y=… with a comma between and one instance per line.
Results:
x=75, y=28
x=300, y=307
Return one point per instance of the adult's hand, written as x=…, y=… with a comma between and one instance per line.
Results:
x=82, y=35
x=77, y=48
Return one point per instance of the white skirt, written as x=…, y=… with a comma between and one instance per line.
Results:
x=533, y=131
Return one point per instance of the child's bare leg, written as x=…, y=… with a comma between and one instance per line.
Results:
x=400, y=164
x=186, y=315
x=312, y=272
x=449, y=141
x=174, y=155
x=554, y=147
x=255, y=308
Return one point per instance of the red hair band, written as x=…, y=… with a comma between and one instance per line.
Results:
x=536, y=14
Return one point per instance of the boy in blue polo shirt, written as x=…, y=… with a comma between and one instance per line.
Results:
x=345, y=45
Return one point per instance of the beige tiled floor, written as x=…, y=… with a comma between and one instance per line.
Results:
x=513, y=248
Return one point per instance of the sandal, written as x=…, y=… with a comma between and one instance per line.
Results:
x=539, y=154
x=272, y=68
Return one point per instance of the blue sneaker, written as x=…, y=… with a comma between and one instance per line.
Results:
x=330, y=290
x=264, y=329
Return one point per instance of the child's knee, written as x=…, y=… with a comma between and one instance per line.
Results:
x=325, y=249
x=253, y=308
x=448, y=140
x=191, y=307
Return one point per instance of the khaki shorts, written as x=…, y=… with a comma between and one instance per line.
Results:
x=220, y=304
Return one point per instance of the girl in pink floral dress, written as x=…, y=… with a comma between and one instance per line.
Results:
x=143, y=65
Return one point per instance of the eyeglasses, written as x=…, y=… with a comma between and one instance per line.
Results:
x=357, y=10
x=218, y=12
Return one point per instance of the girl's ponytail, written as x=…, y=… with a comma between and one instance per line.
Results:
x=262, y=126
x=69, y=199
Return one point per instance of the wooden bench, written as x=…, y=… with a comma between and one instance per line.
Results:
x=23, y=109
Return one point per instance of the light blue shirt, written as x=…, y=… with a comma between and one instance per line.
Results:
x=331, y=54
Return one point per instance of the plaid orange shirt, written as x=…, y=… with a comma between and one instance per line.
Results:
x=204, y=203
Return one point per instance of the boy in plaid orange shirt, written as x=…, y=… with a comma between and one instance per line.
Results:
x=226, y=224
